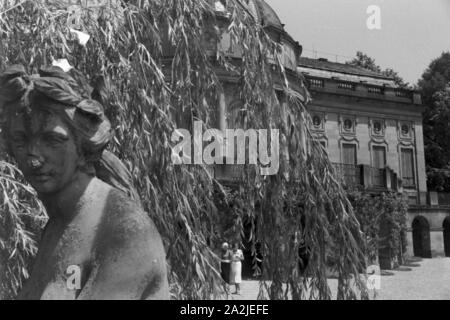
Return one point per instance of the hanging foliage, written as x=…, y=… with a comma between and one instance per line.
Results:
x=21, y=219
x=395, y=209
x=383, y=222
x=147, y=96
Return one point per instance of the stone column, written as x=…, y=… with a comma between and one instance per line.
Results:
x=420, y=157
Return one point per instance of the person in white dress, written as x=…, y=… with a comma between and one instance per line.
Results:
x=236, y=268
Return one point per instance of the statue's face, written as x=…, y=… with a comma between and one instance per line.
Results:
x=45, y=151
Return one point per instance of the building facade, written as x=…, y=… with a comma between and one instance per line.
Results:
x=229, y=112
x=230, y=108
x=372, y=131
x=370, y=127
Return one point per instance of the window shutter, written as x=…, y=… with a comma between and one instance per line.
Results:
x=379, y=157
x=349, y=154
x=408, y=167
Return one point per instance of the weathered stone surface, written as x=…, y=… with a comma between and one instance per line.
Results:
x=98, y=243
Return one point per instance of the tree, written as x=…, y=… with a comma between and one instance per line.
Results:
x=147, y=95
x=364, y=61
x=383, y=222
x=435, y=89
x=21, y=219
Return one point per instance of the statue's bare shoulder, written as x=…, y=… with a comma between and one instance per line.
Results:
x=128, y=254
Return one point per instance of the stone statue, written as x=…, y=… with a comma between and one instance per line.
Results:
x=98, y=242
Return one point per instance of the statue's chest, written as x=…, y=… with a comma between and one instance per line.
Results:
x=63, y=262
x=66, y=251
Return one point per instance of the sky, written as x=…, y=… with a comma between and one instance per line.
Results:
x=412, y=34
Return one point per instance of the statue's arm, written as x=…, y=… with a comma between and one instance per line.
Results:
x=130, y=261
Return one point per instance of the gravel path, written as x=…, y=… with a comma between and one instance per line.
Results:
x=428, y=279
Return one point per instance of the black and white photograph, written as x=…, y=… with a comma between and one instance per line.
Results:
x=239, y=152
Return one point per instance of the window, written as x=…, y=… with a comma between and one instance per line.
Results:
x=349, y=154
x=379, y=164
x=229, y=46
x=408, y=175
x=290, y=58
x=348, y=168
x=379, y=157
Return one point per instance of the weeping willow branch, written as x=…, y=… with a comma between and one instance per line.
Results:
x=20, y=215
x=157, y=72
